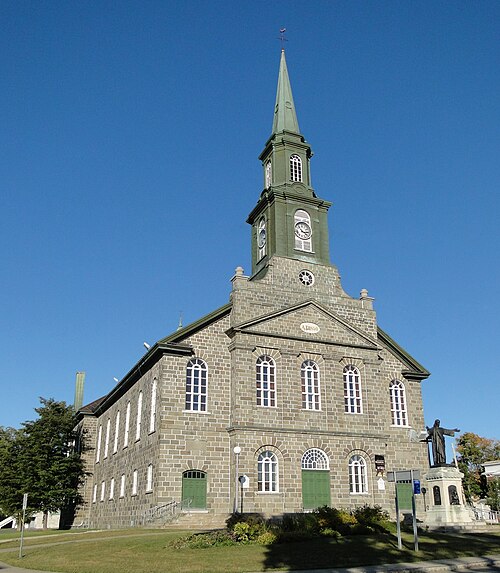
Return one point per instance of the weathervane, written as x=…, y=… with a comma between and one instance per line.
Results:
x=282, y=38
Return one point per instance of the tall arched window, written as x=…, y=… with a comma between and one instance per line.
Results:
x=127, y=425
x=352, y=390
x=357, y=475
x=309, y=374
x=315, y=459
x=99, y=437
x=398, y=403
x=302, y=230
x=268, y=174
x=267, y=470
x=106, y=440
x=266, y=381
x=196, y=385
x=152, y=416
x=262, y=237
x=139, y=417
x=295, y=168
x=117, y=429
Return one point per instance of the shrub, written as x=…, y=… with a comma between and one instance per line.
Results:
x=298, y=522
x=368, y=515
x=294, y=536
x=328, y=532
x=204, y=540
x=267, y=538
x=337, y=519
x=250, y=518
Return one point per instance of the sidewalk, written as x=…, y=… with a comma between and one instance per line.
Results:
x=487, y=563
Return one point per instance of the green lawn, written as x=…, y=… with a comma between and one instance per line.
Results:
x=140, y=551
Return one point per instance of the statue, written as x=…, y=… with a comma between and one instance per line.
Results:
x=436, y=435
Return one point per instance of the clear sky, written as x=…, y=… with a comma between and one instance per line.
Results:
x=129, y=141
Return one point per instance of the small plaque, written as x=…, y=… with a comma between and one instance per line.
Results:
x=309, y=327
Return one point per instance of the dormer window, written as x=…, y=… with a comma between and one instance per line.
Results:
x=268, y=174
x=296, y=168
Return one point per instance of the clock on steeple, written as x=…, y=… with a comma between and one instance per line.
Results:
x=289, y=220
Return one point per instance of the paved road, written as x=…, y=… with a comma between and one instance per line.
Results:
x=473, y=564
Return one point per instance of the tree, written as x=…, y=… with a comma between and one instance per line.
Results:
x=474, y=450
x=53, y=468
x=11, y=473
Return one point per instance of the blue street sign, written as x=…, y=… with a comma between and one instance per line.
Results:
x=416, y=486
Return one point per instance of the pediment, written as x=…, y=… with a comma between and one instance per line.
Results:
x=308, y=321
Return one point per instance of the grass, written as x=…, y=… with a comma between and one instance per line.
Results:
x=141, y=551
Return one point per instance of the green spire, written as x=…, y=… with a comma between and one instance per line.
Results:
x=285, y=118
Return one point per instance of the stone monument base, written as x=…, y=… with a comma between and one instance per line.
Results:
x=445, y=498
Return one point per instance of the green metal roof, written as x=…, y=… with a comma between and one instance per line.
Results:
x=285, y=118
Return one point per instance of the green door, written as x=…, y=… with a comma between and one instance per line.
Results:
x=315, y=488
x=194, y=489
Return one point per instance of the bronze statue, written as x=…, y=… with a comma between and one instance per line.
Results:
x=436, y=435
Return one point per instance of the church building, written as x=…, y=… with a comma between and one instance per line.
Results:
x=288, y=397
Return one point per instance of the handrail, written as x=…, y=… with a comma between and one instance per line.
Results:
x=166, y=511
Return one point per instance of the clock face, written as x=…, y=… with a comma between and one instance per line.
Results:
x=303, y=230
x=261, y=238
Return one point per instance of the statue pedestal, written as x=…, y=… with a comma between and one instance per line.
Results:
x=445, y=498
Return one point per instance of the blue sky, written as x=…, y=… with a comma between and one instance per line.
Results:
x=129, y=139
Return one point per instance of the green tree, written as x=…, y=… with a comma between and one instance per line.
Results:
x=11, y=473
x=473, y=451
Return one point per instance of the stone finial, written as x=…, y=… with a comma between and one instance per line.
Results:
x=238, y=272
x=363, y=294
x=366, y=301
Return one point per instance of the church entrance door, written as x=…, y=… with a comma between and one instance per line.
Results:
x=315, y=488
x=194, y=489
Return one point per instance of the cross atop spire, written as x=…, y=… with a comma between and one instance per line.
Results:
x=285, y=118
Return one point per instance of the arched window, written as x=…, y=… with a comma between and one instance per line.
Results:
x=106, y=440
x=398, y=403
x=295, y=168
x=309, y=374
x=139, y=417
x=267, y=470
x=99, y=437
x=436, y=494
x=357, y=475
x=315, y=459
x=117, y=429
x=127, y=425
x=262, y=237
x=152, y=417
x=302, y=230
x=196, y=386
x=266, y=381
x=268, y=174
x=352, y=390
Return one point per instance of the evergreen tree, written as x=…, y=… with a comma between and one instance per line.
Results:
x=11, y=473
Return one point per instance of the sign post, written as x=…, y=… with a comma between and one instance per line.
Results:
x=412, y=478
x=25, y=505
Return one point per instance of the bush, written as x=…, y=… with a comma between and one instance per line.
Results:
x=367, y=515
x=204, y=540
x=298, y=522
x=294, y=536
x=246, y=527
x=267, y=538
x=337, y=519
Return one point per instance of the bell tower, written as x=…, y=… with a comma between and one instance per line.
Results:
x=289, y=220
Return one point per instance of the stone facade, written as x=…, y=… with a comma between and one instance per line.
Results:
x=173, y=447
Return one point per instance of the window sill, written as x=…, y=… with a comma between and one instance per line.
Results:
x=401, y=426
x=268, y=493
x=311, y=410
x=261, y=406
x=204, y=412
x=148, y=491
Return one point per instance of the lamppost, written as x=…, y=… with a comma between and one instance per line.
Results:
x=237, y=452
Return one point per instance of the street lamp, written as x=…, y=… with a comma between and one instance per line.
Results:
x=237, y=452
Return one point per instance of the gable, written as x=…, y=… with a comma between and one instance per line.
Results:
x=308, y=321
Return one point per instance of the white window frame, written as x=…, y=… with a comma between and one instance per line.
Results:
x=103, y=490
x=262, y=226
x=94, y=494
x=127, y=425
x=295, y=168
x=302, y=216
x=265, y=380
x=99, y=438
x=139, y=417
x=310, y=379
x=122, y=485
x=152, y=416
x=117, y=430
x=315, y=459
x=353, y=399
x=112, y=488
x=196, y=386
x=358, y=480
x=106, y=441
x=149, y=478
x=134, y=482
x=399, y=412
x=267, y=472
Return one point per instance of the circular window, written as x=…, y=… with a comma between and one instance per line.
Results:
x=306, y=278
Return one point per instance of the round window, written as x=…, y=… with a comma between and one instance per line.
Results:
x=306, y=278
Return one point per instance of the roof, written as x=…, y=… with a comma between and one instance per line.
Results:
x=415, y=369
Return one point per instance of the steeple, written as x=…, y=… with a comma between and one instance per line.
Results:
x=289, y=220
x=285, y=118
